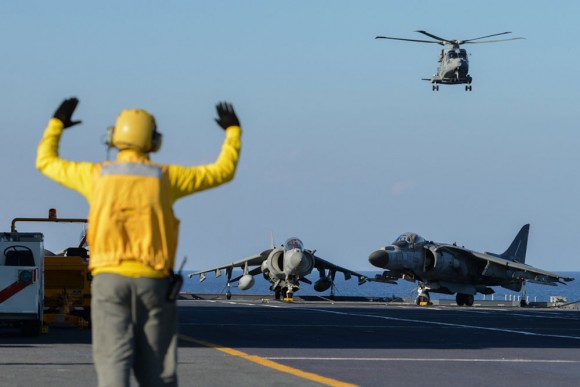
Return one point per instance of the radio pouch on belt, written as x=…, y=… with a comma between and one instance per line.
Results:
x=175, y=283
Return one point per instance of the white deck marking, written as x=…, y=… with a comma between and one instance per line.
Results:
x=413, y=359
x=454, y=325
x=519, y=332
x=536, y=314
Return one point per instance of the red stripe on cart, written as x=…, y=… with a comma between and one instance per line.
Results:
x=11, y=290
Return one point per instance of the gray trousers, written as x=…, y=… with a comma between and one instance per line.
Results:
x=133, y=327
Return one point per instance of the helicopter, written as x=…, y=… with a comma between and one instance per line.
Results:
x=453, y=63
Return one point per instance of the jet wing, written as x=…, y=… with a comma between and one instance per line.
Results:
x=521, y=270
x=323, y=265
x=388, y=277
x=254, y=260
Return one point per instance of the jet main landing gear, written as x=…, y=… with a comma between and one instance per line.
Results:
x=464, y=299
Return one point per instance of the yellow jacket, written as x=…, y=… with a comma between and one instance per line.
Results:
x=132, y=229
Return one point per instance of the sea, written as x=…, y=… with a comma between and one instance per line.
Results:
x=568, y=292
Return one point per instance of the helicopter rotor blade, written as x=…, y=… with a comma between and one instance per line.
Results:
x=483, y=37
x=432, y=36
x=491, y=41
x=408, y=40
x=457, y=42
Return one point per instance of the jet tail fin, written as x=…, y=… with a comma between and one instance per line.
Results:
x=519, y=246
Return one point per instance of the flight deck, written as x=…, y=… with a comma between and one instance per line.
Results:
x=256, y=340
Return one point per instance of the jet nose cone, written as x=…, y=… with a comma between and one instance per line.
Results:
x=379, y=258
x=296, y=258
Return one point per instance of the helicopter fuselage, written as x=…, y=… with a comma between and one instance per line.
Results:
x=453, y=67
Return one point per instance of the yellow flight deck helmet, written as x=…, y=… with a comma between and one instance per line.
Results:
x=135, y=129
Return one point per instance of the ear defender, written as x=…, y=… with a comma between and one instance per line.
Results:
x=109, y=137
x=156, y=141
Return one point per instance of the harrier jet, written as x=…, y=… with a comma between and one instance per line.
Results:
x=284, y=267
x=450, y=269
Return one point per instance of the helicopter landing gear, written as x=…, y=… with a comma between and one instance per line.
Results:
x=468, y=87
x=435, y=87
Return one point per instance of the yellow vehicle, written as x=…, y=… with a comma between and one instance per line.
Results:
x=67, y=279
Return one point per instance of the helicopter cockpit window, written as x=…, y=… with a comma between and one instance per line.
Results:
x=452, y=55
x=463, y=54
x=293, y=243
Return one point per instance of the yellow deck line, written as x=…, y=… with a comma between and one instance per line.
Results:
x=270, y=364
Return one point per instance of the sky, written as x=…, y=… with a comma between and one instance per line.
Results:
x=344, y=146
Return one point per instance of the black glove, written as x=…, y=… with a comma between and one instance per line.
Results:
x=65, y=111
x=226, y=115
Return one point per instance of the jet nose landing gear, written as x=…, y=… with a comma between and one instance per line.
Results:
x=289, y=297
x=423, y=299
x=288, y=294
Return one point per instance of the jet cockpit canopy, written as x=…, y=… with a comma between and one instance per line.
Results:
x=408, y=239
x=293, y=243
